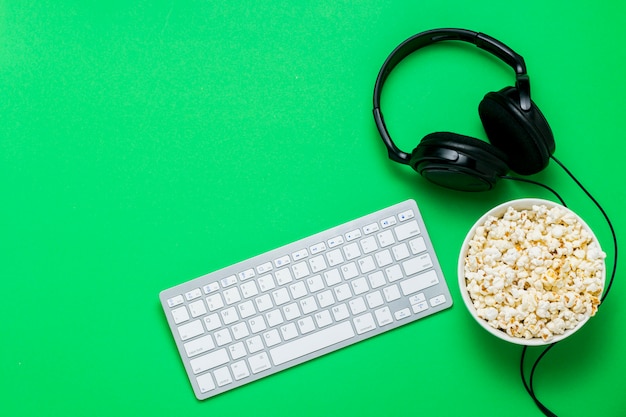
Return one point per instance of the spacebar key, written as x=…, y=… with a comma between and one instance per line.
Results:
x=311, y=343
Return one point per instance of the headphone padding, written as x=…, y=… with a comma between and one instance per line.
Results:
x=468, y=145
x=459, y=162
x=524, y=136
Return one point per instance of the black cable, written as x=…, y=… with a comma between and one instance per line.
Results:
x=508, y=177
x=528, y=385
x=608, y=221
x=531, y=390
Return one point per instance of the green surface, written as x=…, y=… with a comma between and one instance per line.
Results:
x=143, y=144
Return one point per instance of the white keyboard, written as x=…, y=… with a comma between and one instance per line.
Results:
x=305, y=299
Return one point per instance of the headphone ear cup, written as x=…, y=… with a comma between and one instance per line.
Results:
x=459, y=162
x=524, y=136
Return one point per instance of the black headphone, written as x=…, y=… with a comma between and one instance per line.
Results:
x=521, y=139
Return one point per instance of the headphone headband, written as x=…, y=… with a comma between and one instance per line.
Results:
x=412, y=44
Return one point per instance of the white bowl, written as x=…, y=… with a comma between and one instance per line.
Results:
x=498, y=211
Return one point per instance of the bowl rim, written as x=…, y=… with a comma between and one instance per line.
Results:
x=499, y=210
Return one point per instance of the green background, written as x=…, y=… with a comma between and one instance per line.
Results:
x=143, y=144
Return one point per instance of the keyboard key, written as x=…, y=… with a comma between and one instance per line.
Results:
x=257, y=324
x=246, y=309
x=352, y=235
x=240, y=370
x=222, y=376
x=212, y=322
x=332, y=277
x=289, y=331
x=300, y=254
x=197, y=308
x=400, y=252
x=311, y=343
x=263, y=303
x=215, y=302
x=377, y=279
x=317, y=248
x=280, y=296
x=190, y=330
x=205, y=383
x=291, y=311
x=271, y=338
x=306, y=325
x=266, y=283
x=300, y=270
x=274, y=318
x=315, y=283
x=180, y=315
x=283, y=276
x=407, y=230
x=335, y=241
x=418, y=245
x=211, y=287
x=419, y=282
x=406, y=215
x=222, y=337
x=359, y=286
x=209, y=361
x=247, y=274
x=402, y=314
x=334, y=257
x=418, y=264
x=394, y=273
x=198, y=346
x=340, y=312
x=282, y=261
x=325, y=299
x=417, y=298
x=323, y=318
x=240, y=330
x=357, y=305
x=264, y=268
x=375, y=299
x=254, y=344
x=385, y=238
x=232, y=295
x=228, y=281
x=383, y=316
x=249, y=289
x=297, y=289
x=364, y=323
x=259, y=363
x=391, y=293
x=370, y=228
x=229, y=315
x=351, y=251
x=435, y=301
x=237, y=350
x=349, y=271
x=367, y=264
x=383, y=258
x=388, y=221
x=419, y=307
x=193, y=294
x=308, y=305
x=368, y=245
x=317, y=264
x=174, y=301
x=342, y=292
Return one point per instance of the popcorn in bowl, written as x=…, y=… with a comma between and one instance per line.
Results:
x=531, y=271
